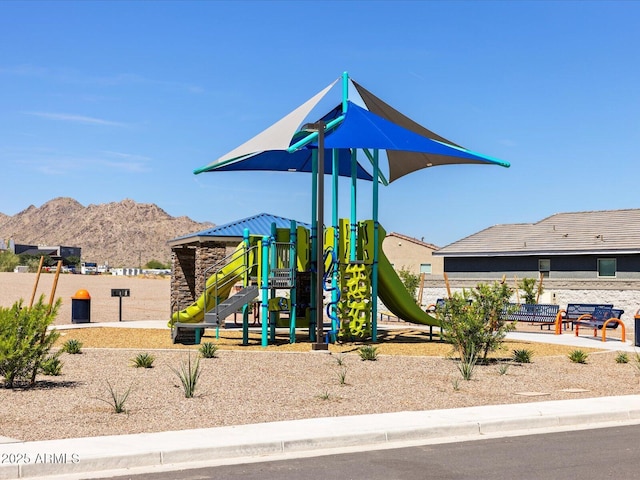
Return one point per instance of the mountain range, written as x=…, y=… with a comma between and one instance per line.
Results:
x=120, y=234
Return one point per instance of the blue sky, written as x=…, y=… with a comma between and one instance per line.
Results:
x=102, y=101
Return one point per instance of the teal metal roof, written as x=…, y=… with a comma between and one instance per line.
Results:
x=259, y=224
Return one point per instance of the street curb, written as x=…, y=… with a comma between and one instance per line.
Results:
x=118, y=453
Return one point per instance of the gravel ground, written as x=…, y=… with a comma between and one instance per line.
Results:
x=284, y=382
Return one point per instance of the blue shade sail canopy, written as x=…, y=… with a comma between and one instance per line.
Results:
x=406, y=150
x=408, y=145
x=298, y=161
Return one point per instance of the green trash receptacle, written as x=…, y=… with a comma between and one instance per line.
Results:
x=81, y=307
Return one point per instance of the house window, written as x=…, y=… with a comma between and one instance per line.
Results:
x=425, y=268
x=606, y=267
x=544, y=266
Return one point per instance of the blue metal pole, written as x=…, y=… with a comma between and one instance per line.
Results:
x=293, y=265
x=374, y=272
x=273, y=263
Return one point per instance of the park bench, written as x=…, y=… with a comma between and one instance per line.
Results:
x=536, y=314
x=575, y=310
x=601, y=319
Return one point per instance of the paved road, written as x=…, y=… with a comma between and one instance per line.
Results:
x=584, y=454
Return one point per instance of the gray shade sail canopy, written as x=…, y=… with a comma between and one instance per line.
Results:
x=408, y=145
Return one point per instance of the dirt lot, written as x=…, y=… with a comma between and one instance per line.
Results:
x=149, y=298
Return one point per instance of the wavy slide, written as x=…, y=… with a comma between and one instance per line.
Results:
x=395, y=296
x=227, y=277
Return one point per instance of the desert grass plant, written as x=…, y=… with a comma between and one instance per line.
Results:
x=342, y=375
x=522, y=355
x=324, y=395
x=578, y=356
x=208, y=350
x=340, y=359
x=189, y=373
x=25, y=341
x=52, y=365
x=503, y=368
x=368, y=352
x=72, y=346
x=116, y=399
x=622, y=357
x=143, y=360
x=455, y=383
x=467, y=364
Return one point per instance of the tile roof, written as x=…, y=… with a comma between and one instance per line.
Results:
x=413, y=240
x=259, y=224
x=606, y=231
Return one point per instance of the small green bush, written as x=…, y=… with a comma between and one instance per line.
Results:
x=72, y=346
x=503, y=368
x=143, y=360
x=368, y=352
x=522, y=355
x=25, y=341
x=51, y=365
x=622, y=357
x=578, y=356
x=208, y=350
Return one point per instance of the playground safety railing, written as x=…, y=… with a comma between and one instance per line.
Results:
x=242, y=272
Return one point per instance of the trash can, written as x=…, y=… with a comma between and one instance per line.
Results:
x=81, y=307
x=636, y=330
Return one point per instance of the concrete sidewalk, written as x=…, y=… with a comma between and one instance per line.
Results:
x=128, y=454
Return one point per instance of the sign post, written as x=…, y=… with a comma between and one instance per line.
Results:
x=120, y=292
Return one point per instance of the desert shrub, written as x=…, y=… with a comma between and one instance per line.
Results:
x=411, y=282
x=208, y=350
x=578, y=356
x=530, y=292
x=72, y=346
x=143, y=360
x=475, y=320
x=368, y=352
x=51, y=365
x=622, y=357
x=25, y=341
x=8, y=261
x=522, y=355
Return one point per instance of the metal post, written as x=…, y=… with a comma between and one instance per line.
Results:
x=319, y=343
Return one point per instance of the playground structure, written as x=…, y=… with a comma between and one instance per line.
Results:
x=265, y=266
x=352, y=269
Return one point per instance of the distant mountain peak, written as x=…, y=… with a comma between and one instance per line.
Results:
x=121, y=233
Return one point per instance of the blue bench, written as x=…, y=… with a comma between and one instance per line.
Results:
x=575, y=310
x=536, y=313
x=601, y=319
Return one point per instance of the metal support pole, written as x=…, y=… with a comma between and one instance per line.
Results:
x=319, y=343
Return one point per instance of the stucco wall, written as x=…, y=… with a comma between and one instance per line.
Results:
x=404, y=253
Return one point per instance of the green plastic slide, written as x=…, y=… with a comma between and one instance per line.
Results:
x=395, y=296
x=226, y=278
